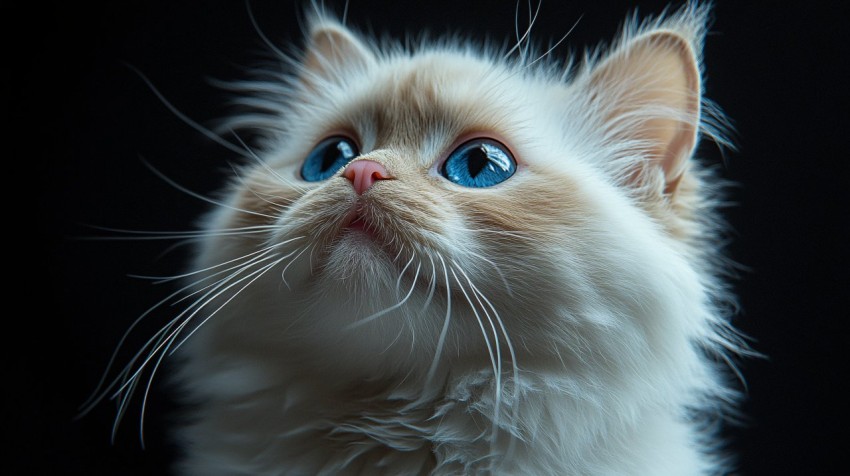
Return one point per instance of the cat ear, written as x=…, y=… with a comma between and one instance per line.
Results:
x=332, y=51
x=649, y=94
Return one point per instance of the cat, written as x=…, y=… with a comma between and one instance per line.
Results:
x=445, y=259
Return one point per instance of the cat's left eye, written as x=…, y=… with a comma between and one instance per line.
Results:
x=327, y=157
x=479, y=163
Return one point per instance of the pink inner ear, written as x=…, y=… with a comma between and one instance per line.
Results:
x=650, y=91
x=678, y=153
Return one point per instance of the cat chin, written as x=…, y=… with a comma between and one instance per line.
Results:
x=358, y=261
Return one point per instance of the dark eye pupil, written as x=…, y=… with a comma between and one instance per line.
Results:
x=477, y=160
x=329, y=158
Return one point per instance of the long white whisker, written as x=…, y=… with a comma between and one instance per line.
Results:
x=179, y=233
x=410, y=324
x=558, y=43
x=495, y=359
x=442, y=339
x=96, y=395
x=168, y=350
x=183, y=117
x=401, y=274
x=194, y=194
x=532, y=19
x=142, y=235
x=389, y=309
x=260, y=272
x=514, y=367
x=501, y=326
x=496, y=268
x=197, y=306
x=282, y=203
x=432, y=284
x=260, y=32
x=266, y=256
x=165, y=338
x=164, y=279
x=146, y=395
x=283, y=273
x=527, y=32
x=123, y=405
x=283, y=180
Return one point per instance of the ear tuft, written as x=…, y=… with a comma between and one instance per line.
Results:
x=332, y=50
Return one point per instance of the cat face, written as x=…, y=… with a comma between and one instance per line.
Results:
x=569, y=250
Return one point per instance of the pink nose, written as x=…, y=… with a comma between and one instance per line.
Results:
x=363, y=174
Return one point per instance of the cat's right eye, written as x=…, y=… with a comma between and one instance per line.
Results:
x=328, y=157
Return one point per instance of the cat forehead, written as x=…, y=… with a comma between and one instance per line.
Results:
x=403, y=100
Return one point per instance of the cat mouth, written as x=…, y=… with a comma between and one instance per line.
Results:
x=358, y=223
x=367, y=228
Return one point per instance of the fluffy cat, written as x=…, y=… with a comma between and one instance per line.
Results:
x=444, y=259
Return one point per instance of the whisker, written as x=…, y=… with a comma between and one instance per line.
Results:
x=168, y=350
x=493, y=355
x=165, y=279
x=410, y=324
x=254, y=261
x=261, y=272
x=442, y=339
x=96, y=395
x=514, y=367
x=525, y=36
x=123, y=406
x=558, y=43
x=260, y=32
x=143, y=235
x=130, y=383
x=172, y=247
x=389, y=309
x=282, y=203
x=145, y=398
x=432, y=284
x=164, y=339
x=497, y=363
x=283, y=180
x=197, y=306
x=283, y=273
x=401, y=274
x=194, y=194
x=496, y=268
x=183, y=117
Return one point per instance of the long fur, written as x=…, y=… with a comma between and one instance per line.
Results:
x=570, y=320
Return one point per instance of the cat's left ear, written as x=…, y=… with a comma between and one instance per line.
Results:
x=333, y=51
x=648, y=92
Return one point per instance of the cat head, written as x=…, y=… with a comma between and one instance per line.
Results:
x=414, y=208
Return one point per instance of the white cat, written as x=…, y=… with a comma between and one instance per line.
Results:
x=443, y=260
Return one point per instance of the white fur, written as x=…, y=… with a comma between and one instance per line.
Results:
x=346, y=356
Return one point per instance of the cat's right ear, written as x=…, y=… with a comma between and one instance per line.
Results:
x=332, y=52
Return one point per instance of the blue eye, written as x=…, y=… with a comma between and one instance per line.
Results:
x=326, y=158
x=479, y=163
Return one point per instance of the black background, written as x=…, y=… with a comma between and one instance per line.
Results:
x=80, y=119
